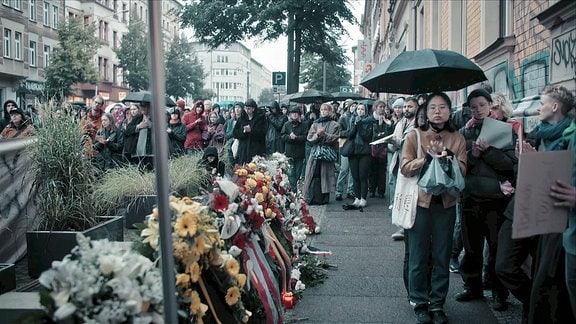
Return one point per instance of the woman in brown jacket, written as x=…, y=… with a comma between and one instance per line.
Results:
x=430, y=238
x=19, y=125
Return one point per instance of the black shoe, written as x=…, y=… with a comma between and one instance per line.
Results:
x=454, y=265
x=468, y=295
x=499, y=304
x=423, y=316
x=350, y=196
x=338, y=197
x=439, y=317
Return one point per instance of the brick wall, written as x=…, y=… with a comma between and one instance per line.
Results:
x=444, y=25
x=473, y=28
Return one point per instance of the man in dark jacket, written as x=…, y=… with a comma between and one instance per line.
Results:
x=276, y=121
x=294, y=134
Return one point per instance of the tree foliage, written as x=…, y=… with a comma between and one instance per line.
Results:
x=312, y=26
x=133, y=56
x=313, y=73
x=184, y=74
x=266, y=96
x=72, y=62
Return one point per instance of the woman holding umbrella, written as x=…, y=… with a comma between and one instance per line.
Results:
x=431, y=235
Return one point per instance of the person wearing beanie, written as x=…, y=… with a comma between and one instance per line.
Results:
x=398, y=108
x=294, y=134
x=483, y=202
x=213, y=165
x=19, y=126
x=181, y=104
x=176, y=133
x=276, y=120
x=250, y=130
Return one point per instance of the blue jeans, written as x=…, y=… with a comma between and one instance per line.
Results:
x=344, y=176
x=297, y=166
x=431, y=236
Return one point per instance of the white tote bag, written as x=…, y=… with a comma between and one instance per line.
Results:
x=406, y=196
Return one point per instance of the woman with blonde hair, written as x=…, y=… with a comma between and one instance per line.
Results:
x=502, y=110
x=320, y=179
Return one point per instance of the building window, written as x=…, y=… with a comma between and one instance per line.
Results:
x=46, y=14
x=114, y=39
x=105, y=70
x=124, y=12
x=115, y=74
x=6, y=2
x=32, y=53
x=18, y=46
x=17, y=4
x=32, y=9
x=54, y=17
x=7, y=42
x=46, y=55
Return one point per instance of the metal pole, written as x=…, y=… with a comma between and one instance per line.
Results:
x=161, y=159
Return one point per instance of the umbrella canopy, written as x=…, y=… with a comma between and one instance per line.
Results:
x=145, y=96
x=311, y=96
x=347, y=95
x=224, y=104
x=423, y=71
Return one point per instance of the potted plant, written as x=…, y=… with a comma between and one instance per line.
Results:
x=7, y=277
x=130, y=188
x=63, y=178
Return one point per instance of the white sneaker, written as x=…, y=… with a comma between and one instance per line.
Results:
x=362, y=203
x=356, y=202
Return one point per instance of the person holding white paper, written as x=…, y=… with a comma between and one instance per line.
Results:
x=484, y=202
x=550, y=299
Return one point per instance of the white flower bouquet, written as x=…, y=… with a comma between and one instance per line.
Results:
x=102, y=282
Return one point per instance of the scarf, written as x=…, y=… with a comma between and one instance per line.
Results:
x=568, y=133
x=323, y=119
x=551, y=135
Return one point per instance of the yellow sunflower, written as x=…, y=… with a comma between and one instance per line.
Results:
x=232, y=296
x=233, y=267
x=259, y=196
x=195, y=272
x=199, y=245
x=241, y=278
x=196, y=306
x=183, y=279
x=186, y=225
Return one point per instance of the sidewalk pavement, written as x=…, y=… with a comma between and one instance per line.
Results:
x=367, y=285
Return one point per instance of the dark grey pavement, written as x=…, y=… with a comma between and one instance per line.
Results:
x=367, y=286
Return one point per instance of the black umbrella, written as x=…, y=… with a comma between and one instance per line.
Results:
x=145, y=96
x=311, y=96
x=423, y=71
x=347, y=95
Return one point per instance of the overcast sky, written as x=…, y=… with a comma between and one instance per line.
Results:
x=273, y=55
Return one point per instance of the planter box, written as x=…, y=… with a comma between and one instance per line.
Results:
x=138, y=208
x=7, y=277
x=44, y=247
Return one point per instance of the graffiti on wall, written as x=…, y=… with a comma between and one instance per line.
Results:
x=563, y=57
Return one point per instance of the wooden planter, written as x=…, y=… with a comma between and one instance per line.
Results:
x=138, y=208
x=7, y=277
x=44, y=247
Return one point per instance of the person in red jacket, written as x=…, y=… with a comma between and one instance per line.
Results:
x=195, y=125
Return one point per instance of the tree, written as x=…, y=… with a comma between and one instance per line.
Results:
x=133, y=56
x=72, y=62
x=313, y=74
x=184, y=74
x=266, y=96
x=312, y=26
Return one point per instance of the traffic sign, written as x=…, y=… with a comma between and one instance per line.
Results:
x=279, y=78
x=279, y=89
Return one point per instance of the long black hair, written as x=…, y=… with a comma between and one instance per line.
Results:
x=447, y=125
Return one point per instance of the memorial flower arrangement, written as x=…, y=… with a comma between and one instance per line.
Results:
x=102, y=282
x=207, y=279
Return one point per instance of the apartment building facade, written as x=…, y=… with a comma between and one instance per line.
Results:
x=29, y=37
x=231, y=72
x=522, y=45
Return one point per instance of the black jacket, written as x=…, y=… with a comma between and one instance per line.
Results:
x=295, y=148
x=176, y=139
x=361, y=133
x=274, y=142
x=252, y=143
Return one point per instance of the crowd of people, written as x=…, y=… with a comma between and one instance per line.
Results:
x=330, y=151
